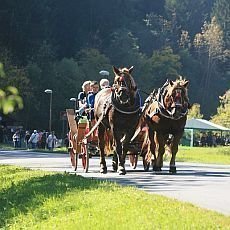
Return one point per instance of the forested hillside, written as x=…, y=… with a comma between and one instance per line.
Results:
x=58, y=44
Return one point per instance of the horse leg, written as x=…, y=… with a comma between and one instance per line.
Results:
x=114, y=161
x=174, y=150
x=152, y=148
x=101, y=132
x=121, y=160
x=160, y=149
x=119, y=150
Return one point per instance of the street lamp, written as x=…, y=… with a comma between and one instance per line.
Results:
x=74, y=99
x=50, y=91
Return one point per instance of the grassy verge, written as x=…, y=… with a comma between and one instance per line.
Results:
x=218, y=155
x=42, y=200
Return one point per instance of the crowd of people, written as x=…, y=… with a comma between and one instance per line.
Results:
x=34, y=140
x=212, y=140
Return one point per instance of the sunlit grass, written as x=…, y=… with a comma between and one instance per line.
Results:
x=218, y=155
x=42, y=200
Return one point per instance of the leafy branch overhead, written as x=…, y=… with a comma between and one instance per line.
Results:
x=9, y=98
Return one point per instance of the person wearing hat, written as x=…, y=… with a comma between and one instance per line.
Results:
x=104, y=83
x=82, y=96
x=34, y=139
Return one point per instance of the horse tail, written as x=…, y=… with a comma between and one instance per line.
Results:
x=108, y=137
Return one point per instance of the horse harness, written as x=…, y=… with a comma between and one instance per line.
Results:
x=157, y=97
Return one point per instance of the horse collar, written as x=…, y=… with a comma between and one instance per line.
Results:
x=126, y=110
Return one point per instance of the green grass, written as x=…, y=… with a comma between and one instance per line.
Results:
x=218, y=155
x=42, y=200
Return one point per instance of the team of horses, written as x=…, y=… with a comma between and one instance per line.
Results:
x=120, y=116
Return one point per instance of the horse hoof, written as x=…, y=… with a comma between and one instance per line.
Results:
x=121, y=171
x=114, y=167
x=156, y=168
x=103, y=170
x=172, y=169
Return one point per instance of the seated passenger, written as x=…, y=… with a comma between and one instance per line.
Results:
x=82, y=97
x=91, y=98
x=104, y=83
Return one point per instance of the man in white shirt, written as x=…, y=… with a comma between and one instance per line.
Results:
x=51, y=141
x=34, y=139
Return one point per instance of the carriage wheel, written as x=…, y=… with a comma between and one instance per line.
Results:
x=85, y=156
x=146, y=164
x=133, y=158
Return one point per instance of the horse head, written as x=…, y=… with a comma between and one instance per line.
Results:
x=175, y=97
x=124, y=86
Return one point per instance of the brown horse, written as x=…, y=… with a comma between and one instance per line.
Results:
x=165, y=112
x=117, y=112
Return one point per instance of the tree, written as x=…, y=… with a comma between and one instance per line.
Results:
x=221, y=11
x=194, y=112
x=190, y=15
x=210, y=49
x=223, y=111
x=91, y=61
x=165, y=64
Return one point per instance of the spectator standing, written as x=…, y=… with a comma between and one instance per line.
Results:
x=16, y=139
x=203, y=140
x=26, y=139
x=43, y=140
x=34, y=139
x=209, y=139
x=51, y=141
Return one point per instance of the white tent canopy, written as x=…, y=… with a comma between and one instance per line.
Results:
x=202, y=124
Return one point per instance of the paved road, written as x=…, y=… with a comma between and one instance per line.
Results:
x=204, y=185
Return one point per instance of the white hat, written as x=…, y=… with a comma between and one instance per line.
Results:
x=104, y=83
x=35, y=131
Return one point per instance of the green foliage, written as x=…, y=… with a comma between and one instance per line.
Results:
x=210, y=49
x=165, y=64
x=190, y=15
x=91, y=61
x=194, y=112
x=41, y=200
x=223, y=111
x=9, y=97
x=221, y=11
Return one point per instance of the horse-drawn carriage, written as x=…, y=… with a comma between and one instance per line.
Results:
x=120, y=124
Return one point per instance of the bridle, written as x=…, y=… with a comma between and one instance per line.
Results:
x=125, y=97
x=123, y=89
x=175, y=102
x=172, y=102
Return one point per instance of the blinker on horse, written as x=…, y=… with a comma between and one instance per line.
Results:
x=117, y=113
x=165, y=113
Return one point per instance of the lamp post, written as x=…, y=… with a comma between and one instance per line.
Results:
x=50, y=91
x=74, y=99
